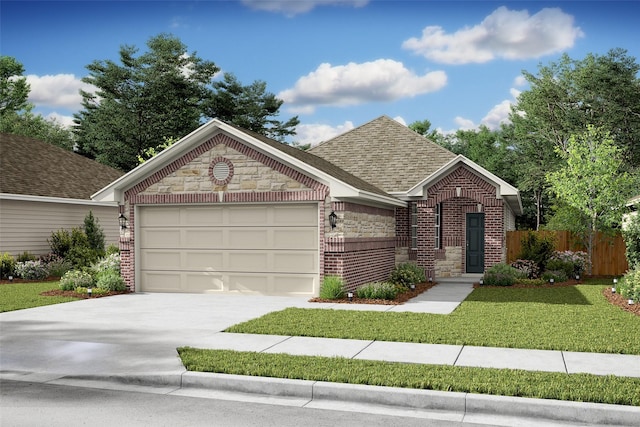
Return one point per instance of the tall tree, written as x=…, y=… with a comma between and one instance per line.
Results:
x=14, y=89
x=593, y=182
x=566, y=96
x=16, y=112
x=142, y=101
x=250, y=107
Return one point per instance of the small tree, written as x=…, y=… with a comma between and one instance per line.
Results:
x=592, y=182
x=95, y=235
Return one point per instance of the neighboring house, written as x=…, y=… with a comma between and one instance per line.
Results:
x=228, y=210
x=44, y=188
x=632, y=210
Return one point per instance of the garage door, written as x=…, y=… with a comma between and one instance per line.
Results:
x=265, y=249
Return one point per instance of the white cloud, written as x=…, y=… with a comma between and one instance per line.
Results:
x=60, y=90
x=507, y=34
x=352, y=84
x=295, y=7
x=464, y=124
x=497, y=115
x=520, y=81
x=316, y=133
x=400, y=120
x=66, y=121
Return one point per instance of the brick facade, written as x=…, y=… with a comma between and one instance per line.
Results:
x=361, y=249
x=459, y=193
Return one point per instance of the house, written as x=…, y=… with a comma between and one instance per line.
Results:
x=44, y=188
x=228, y=210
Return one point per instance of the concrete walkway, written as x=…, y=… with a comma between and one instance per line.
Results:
x=130, y=341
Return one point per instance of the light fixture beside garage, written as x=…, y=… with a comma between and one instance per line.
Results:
x=333, y=219
x=122, y=220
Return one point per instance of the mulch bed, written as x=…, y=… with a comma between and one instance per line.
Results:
x=620, y=301
x=61, y=293
x=400, y=298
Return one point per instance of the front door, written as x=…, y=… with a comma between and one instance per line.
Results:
x=475, y=243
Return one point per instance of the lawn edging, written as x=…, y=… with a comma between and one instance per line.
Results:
x=469, y=406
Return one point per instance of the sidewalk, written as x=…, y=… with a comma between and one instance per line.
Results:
x=129, y=342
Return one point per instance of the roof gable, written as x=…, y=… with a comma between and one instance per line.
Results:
x=341, y=183
x=385, y=153
x=36, y=168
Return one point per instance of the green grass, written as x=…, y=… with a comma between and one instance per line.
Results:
x=505, y=382
x=564, y=318
x=18, y=296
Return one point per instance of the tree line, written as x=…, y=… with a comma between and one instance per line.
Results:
x=571, y=144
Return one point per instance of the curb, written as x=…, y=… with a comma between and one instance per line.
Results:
x=466, y=404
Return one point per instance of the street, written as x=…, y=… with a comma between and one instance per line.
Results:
x=37, y=404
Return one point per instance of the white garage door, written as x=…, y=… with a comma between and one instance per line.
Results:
x=265, y=249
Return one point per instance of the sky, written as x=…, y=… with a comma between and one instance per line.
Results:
x=336, y=64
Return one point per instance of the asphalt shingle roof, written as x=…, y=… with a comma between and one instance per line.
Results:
x=32, y=167
x=317, y=162
x=386, y=154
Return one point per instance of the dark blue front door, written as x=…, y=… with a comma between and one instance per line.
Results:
x=475, y=243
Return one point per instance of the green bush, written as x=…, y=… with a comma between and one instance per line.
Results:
x=527, y=266
x=60, y=242
x=75, y=278
x=407, y=274
x=531, y=282
x=55, y=265
x=538, y=249
x=378, y=290
x=94, y=233
x=332, y=288
x=567, y=267
x=32, y=270
x=7, y=265
x=112, y=249
x=629, y=286
x=26, y=256
x=556, y=275
x=110, y=280
x=578, y=259
x=502, y=275
x=631, y=235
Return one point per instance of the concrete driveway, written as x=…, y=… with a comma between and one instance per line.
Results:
x=134, y=334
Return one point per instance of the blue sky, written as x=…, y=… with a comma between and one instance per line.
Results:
x=337, y=64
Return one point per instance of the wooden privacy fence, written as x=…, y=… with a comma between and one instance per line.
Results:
x=608, y=251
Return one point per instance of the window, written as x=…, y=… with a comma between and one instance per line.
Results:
x=438, y=226
x=414, y=226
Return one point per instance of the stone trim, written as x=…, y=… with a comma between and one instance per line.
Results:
x=243, y=197
x=340, y=244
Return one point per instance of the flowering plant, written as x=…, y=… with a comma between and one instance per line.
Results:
x=31, y=270
x=579, y=259
x=528, y=267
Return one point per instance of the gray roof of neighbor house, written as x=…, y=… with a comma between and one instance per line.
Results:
x=35, y=168
x=385, y=153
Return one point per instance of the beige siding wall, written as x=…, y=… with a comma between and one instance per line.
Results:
x=26, y=225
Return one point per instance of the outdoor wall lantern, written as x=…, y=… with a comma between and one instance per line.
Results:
x=122, y=220
x=333, y=219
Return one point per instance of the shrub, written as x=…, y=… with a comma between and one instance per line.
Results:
x=57, y=266
x=26, y=256
x=7, y=265
x=555, y=264
x=60, y=242
x=578, y=259
x=631, y=234
x=32, y=270
x=94, y=233
x=538, y=249
x=531, y=282
x=75, y=278
x=112, y=249
x=109, y=262
x=332, y=288
x=82, y=256
x=407, y=274
x=378, y=290
x=629, y=286
x=528, y=267
x=502, y=275
x=110, y=280
x=556, y=275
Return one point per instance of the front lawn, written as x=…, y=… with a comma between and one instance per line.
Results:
x=570, y=318
x=18, y=296
x=505, y=382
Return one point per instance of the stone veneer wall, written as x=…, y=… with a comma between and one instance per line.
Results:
x=255, y=178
